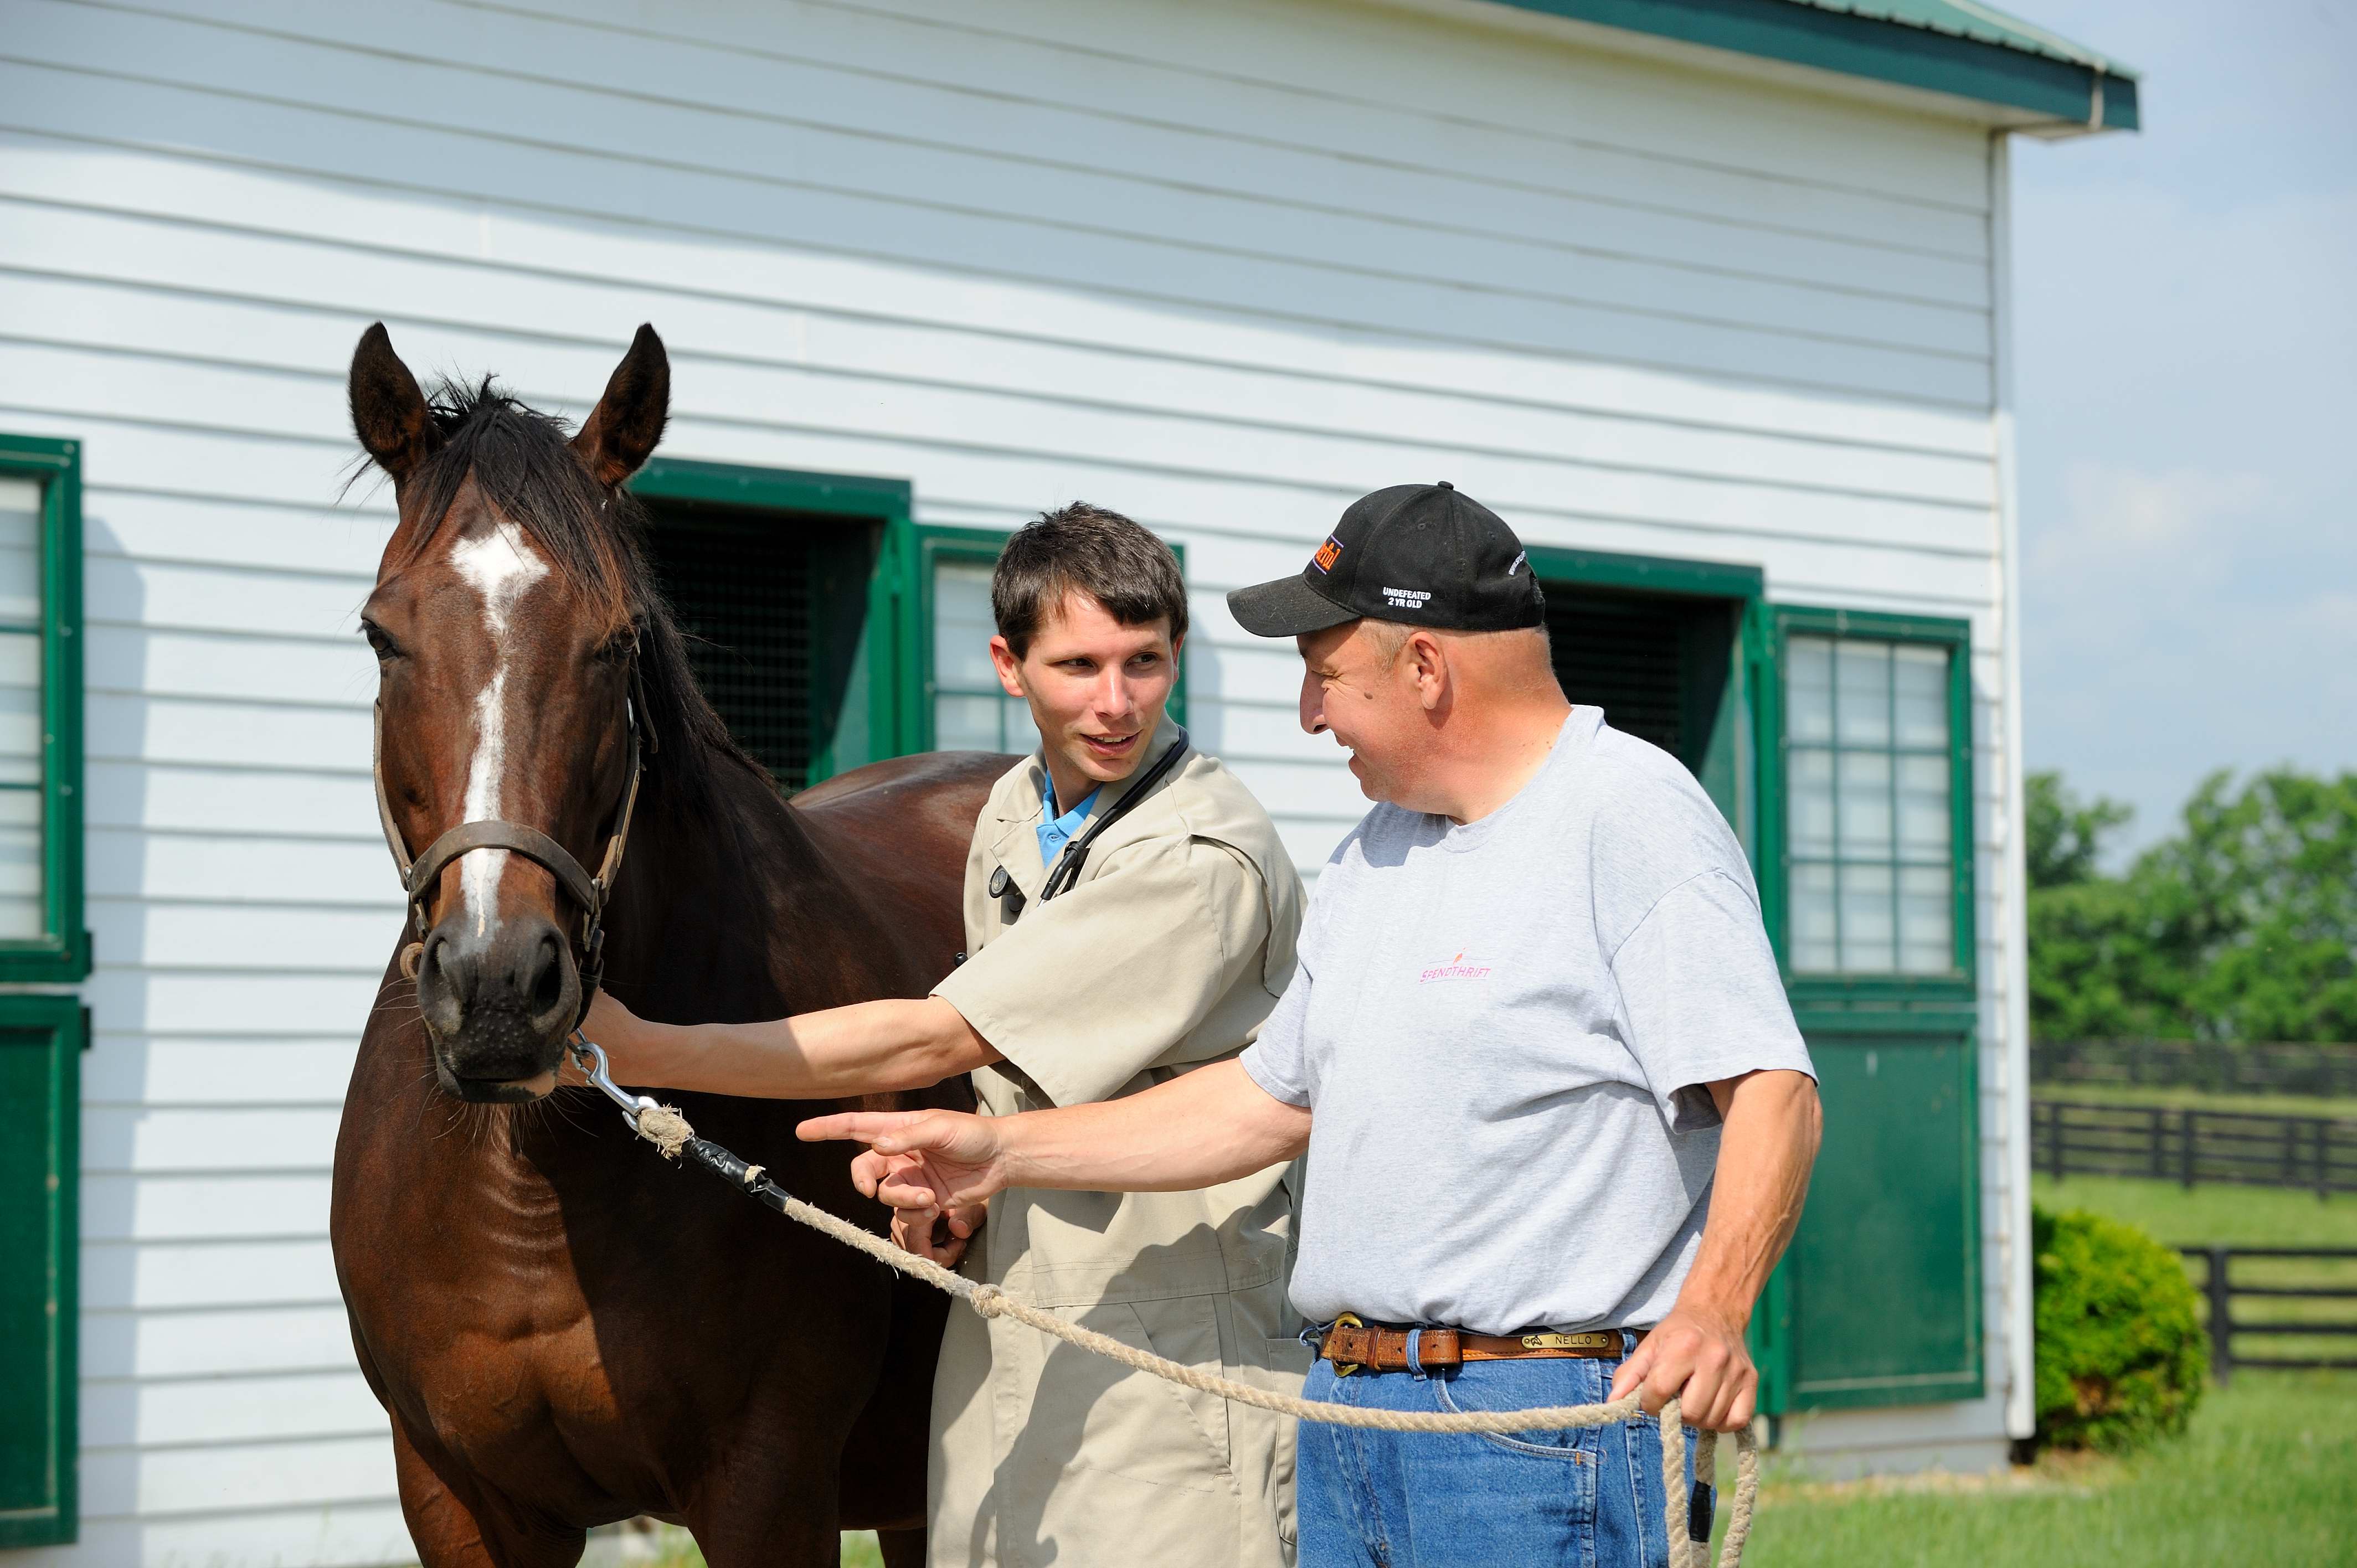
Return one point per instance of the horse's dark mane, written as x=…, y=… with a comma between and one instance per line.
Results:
x=524, y=466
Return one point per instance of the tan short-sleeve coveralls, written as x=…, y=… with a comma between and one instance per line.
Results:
x=1166, y=956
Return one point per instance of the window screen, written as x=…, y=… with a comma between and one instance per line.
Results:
x=1626, y=654
x=739, y=582
x=1870, y=780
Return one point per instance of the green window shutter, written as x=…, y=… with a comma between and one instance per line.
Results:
x=41, y=934
x=1866, y=883
x=41, y=1056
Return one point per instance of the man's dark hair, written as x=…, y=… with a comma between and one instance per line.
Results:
x=1098, y=552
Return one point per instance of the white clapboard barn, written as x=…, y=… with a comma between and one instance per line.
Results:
x=1709, y=300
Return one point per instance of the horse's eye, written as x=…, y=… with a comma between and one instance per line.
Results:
x=385, y=647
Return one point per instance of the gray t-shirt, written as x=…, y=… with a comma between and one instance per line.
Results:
x=1504, y=1029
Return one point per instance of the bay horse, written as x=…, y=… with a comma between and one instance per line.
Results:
x=564, y=1329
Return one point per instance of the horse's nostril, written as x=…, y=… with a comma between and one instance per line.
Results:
x=548, y=980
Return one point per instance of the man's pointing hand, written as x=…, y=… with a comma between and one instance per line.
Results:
x=951, y=1160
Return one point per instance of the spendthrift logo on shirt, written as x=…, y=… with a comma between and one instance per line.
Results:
x=1455, y=969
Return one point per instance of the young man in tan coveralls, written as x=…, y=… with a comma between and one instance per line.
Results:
x=1161, y=952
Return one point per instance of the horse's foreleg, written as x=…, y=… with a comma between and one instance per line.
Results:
x=455, y=1524
x=787, y=1537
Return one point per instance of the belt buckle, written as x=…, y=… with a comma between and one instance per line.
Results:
x=1346, y=1320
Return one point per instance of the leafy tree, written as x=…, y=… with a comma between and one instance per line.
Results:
x=2241, y=925
x=2065, y=837
x=2266, y=886
x=2093, y=969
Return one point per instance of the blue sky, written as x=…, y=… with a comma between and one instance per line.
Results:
x=2186, y=334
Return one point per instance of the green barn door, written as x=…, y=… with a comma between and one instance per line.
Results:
x=1866, y=785
x=1882, y=1303
x=41, y=1055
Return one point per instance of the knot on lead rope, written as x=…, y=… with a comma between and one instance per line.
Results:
x=989, y=1301
x=666, y=1128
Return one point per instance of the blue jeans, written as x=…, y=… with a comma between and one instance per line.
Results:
x=1591, y=1498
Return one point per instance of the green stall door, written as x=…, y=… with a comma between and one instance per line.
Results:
x=40, y=1040
x=1882, y=1287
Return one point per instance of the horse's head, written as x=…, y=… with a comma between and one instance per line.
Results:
x=508, y=610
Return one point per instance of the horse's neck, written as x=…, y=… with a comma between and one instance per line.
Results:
x=723, y=912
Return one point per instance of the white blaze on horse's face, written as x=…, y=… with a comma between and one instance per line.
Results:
x=501, y=565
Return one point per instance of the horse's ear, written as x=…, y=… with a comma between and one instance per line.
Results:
x=389, y=414
x=621, y=431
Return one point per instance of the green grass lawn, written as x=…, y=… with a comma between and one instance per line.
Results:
x=2210, y=1215
x=2264, y=1476
x=858, y=1551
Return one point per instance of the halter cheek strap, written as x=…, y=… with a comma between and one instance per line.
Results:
x=419, y=874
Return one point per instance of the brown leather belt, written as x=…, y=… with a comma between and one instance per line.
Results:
x=1352, y=1346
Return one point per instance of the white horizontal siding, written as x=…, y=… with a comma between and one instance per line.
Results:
x=1221, y=266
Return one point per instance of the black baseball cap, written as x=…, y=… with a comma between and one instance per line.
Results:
x=1417, y=555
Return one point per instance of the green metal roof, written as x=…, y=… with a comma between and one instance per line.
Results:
x=1960, y=48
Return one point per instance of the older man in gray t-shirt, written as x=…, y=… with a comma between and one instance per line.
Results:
x=1546, y=991
x=1558, y=1119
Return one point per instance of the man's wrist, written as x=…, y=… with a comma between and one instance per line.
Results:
x=1715, y=1306
x=1018, y=1164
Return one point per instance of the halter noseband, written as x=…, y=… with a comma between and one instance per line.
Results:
x=418, y=874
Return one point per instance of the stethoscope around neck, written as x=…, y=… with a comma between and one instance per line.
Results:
x=1066, y=872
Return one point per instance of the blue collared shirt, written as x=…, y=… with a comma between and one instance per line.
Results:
x=1057, y=832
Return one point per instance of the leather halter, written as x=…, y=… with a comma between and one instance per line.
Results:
x=419, y=874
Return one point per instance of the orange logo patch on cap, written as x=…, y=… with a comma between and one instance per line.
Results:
x=1328, y=554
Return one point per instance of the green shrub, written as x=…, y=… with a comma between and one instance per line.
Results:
x=2120, y=1347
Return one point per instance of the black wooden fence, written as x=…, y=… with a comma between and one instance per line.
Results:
x=2168, y=1142
x=2302, y=1283
x=2219, y=1068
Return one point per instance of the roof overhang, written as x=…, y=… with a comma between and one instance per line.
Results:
x=1950, y=56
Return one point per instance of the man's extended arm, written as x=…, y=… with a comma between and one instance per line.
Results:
x=868, y=1048
x=1199, y=1129
x=1697, y=1354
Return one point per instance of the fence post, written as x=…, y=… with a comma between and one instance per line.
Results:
x=2054, y=1140
x=2185, y=1147
x=2222, y=1315
x=2158, y=1160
